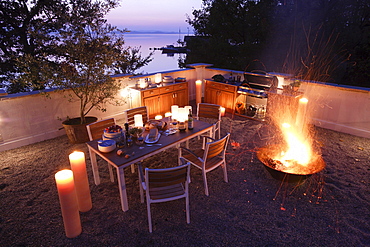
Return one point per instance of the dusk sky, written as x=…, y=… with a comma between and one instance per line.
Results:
x=154, y=15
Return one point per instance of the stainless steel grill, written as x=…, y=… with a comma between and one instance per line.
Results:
x=252, y=99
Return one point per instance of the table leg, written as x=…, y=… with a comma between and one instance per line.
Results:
x=122, y=188
x=111, y=173
x=94, y=166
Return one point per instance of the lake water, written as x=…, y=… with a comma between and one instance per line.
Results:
x=160, y=62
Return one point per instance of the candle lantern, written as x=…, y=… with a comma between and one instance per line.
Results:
x=174, y=111
x=158, y=78
x=188, y=107
x=198, y=91
x=68, y=203
x=78, y=166
x=142, y=83
x=138, y=120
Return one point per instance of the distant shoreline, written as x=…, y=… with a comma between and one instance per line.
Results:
x=157, y=32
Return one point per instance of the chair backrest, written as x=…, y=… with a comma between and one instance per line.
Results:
x=96, y=129
x=209, y=111
x=156, y=178
x=216, y=148
x=130, y=113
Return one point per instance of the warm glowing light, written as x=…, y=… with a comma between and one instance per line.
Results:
x=78, y=166
x=182, y=114
x=286, y=125
x=158, y=117
x=142, y=83
x=198, y=91
x=158, y=78
x=138, y=120
x=174, y=111
x=68, y=203
x=168, y=114
x=125, y=92
x=188, y=107
x=223, y=111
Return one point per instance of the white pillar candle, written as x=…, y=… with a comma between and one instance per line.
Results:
x=158, y=117
x=182, y=115
x=198, y=91
x=138, y=119
x=222, y=111
x=168, y=114
x=68, y=203
x=188, y=107
x=174, y=111
x=78, y=166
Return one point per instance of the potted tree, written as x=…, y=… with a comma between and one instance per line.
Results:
x=88, y=52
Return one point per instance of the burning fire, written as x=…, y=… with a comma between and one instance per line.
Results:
x=298, y=152
x=296, y=155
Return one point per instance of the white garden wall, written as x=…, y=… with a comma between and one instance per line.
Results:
x=29, y=118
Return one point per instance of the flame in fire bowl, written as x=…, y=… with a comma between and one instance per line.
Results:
x=291, y=171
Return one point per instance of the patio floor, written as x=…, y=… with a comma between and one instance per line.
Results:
x=329, y=209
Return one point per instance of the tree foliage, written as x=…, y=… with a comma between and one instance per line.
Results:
x=38, y=37
x=317, y=39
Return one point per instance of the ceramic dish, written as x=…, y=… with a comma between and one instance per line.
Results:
x=153, y=141
x=106, y=146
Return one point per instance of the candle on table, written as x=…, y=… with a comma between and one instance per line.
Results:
x=138, y=119
x=198, y=91
x=182, y=115
x=174, y=111
x=168, y=114
x=158, y=117
x=78, y=166
x=188, y=107
x=222, y=111
x=68, y=203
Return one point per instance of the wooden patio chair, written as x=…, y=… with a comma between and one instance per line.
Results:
x=130, y=113
x=95, y=130
x=207, y=110
x=163, y=185
x=209, y=158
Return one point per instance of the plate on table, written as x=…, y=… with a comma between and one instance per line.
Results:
x=147, y=140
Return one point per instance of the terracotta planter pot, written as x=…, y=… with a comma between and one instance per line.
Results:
x=77, y=132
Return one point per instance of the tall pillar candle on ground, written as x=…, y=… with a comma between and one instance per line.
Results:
x=68, y=203
x=78, y=166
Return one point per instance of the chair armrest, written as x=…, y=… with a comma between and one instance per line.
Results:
x=207, y=137
x=191, y=152
x=141, y=174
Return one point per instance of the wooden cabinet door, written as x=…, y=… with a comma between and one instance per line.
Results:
x=181, y=98
x=211, y=96
x=166, y=101
x=153, y=105
x=226, y=99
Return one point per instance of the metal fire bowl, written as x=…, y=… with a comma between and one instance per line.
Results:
x=264, y=155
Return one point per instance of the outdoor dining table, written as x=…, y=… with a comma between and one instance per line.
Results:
x=138, y=153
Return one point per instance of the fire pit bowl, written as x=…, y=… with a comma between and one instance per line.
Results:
x=293, y=174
